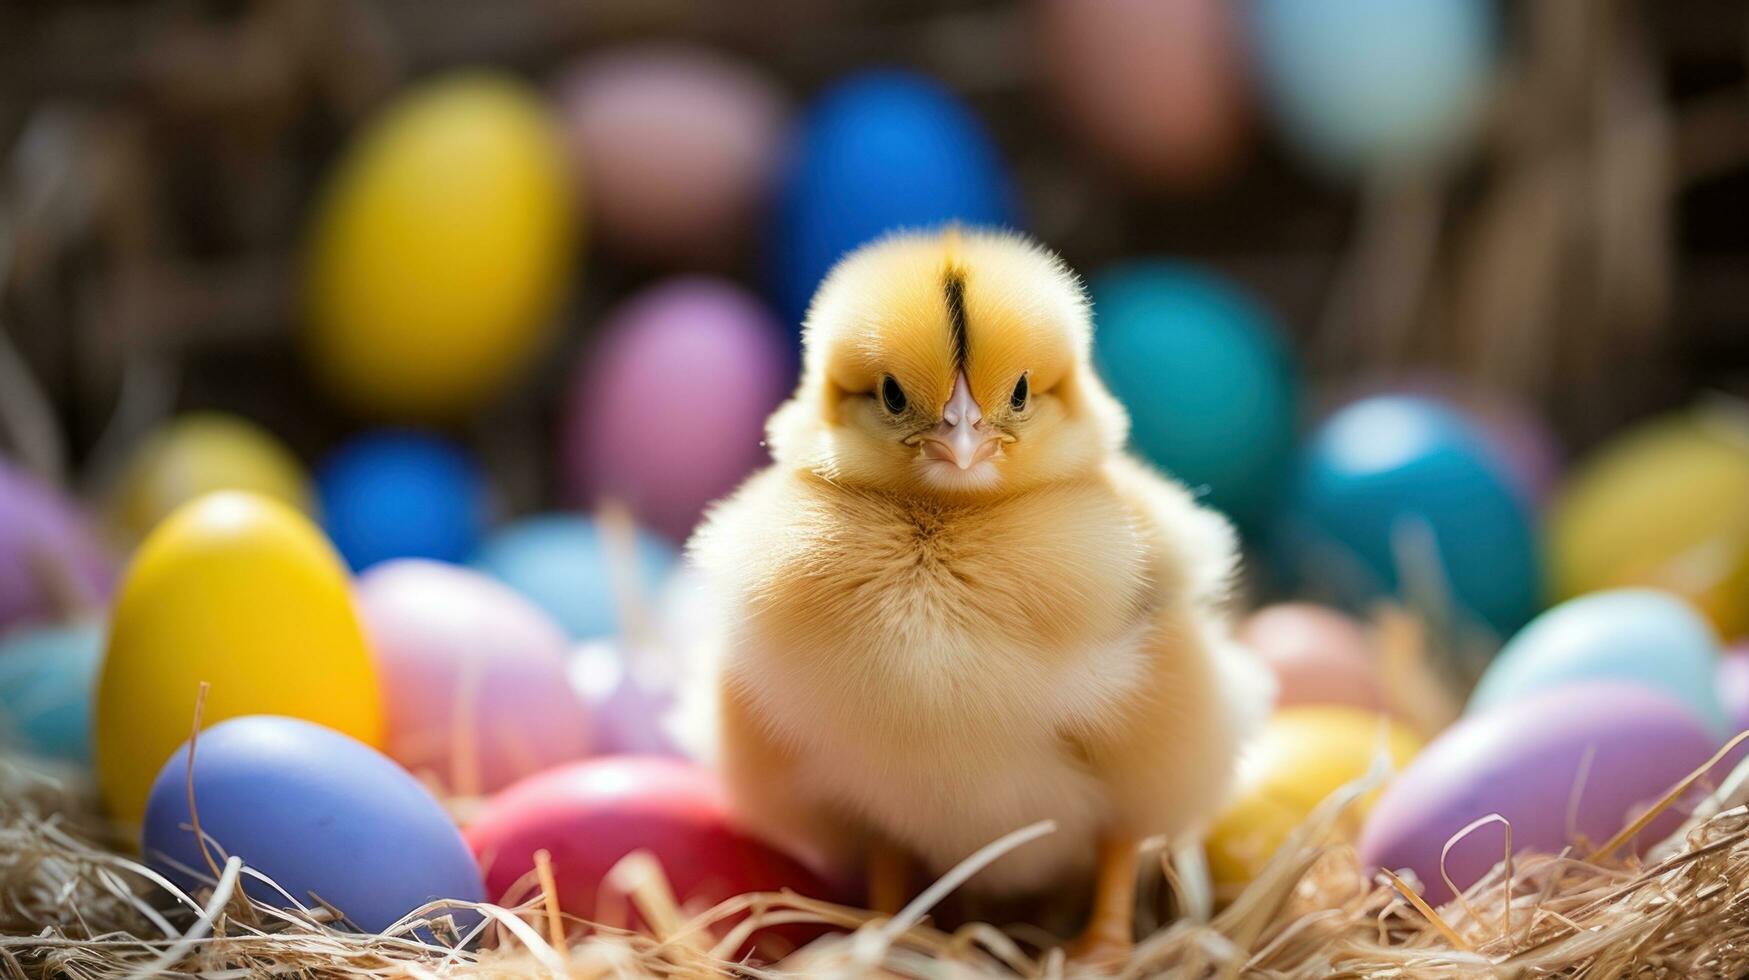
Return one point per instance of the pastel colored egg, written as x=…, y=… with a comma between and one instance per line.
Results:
x=1361, y=84
x=876, y=152
x=402, y=494
x=440, y=249
x=590, y=815
x=1158, y=88
x=678, y=147
x=244, y=594
x=1206, y=376
x=1319, y=656
x=1398, y=494
x=1633, y=636
x=198, y=453
x=1303, y=755
x=46, y=677
x=51, y=564
x=1733, y=688
x=1566, y=764
x=325, y=816
x=633, y=432
x=572, y=566
x=631, y=705
x=1661, y=505
x=475, y=692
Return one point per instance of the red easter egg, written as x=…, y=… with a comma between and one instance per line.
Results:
x=589, y=815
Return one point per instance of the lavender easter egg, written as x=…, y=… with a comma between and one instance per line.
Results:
x=474, y=686
x=322, y=814
x=677, y=148
x=1574, y=762
x=50, y=561
x=635, y=430
x=1733, y=688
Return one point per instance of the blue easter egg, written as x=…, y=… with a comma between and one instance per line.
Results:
x=320, y=813
x=1206, y=377
x=1398, y=495
x=878, y=151
x=1358, y=83
x=401, y=495
x=47, y=674
x=561, y=563
x=1639, y=636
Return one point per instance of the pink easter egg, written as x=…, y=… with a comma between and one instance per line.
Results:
x=668, y=412
x=1157, y=86
x=1319, y=655
x=676, y=148
x=473, y=676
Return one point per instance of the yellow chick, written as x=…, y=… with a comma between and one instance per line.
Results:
x=953, y=606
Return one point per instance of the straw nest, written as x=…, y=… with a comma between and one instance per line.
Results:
x=71, y=907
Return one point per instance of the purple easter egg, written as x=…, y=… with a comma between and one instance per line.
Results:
x=1594, y=753
x=474, y=684
x=1733, y=687
x=668, y=412
x=322, y=814
x=50, y=561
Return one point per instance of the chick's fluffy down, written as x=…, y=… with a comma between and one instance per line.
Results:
x=934, y=661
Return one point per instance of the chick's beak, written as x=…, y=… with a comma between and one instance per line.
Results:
x=961, y=438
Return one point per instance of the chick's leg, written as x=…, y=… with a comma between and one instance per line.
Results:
x=1109, y=935
x=889, y=877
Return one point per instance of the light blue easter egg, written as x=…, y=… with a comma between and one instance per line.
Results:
x=1639, y=636
x=1359, y=83
x=561, y=562
x=1399, y=495
x=876, y=152
x=47, y=675
x=1206, y=376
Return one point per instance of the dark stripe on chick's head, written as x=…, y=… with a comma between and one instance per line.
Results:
x=954, y=286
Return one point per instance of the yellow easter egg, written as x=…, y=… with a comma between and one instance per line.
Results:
x=196, y=454
x=1665, y=504
x=439, y=253
x=242, y=592
x=1302, y=756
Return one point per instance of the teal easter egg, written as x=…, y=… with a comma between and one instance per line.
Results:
x=1399, y=495
x=567, y=565
x=1360, y=83
x=47, y=674
x=1639, y=636
x=1206, y=376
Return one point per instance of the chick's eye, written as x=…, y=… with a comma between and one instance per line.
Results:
x=1017, y=401
x=892, y=396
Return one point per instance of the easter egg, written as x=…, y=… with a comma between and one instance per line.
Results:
x=678, y=146
x=630, y=704
x=51, y=564
x=1158, y=88
x=1398, y=494
x=198, y=453
x=876, y=152
x=633, y=431
x=1302, y=756
x=324, y=815
x=402, y=494
x=1662, y=505
x=572, y=567
x=240, y=592
x=1358, y=84
x=46, y=676
x=1634, y=636
x=589, y=815
x=1206, y=376
x=1733, y=688
x=1319, y=656
x=475, y=692
x=440, y=249
x=1568, y=763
